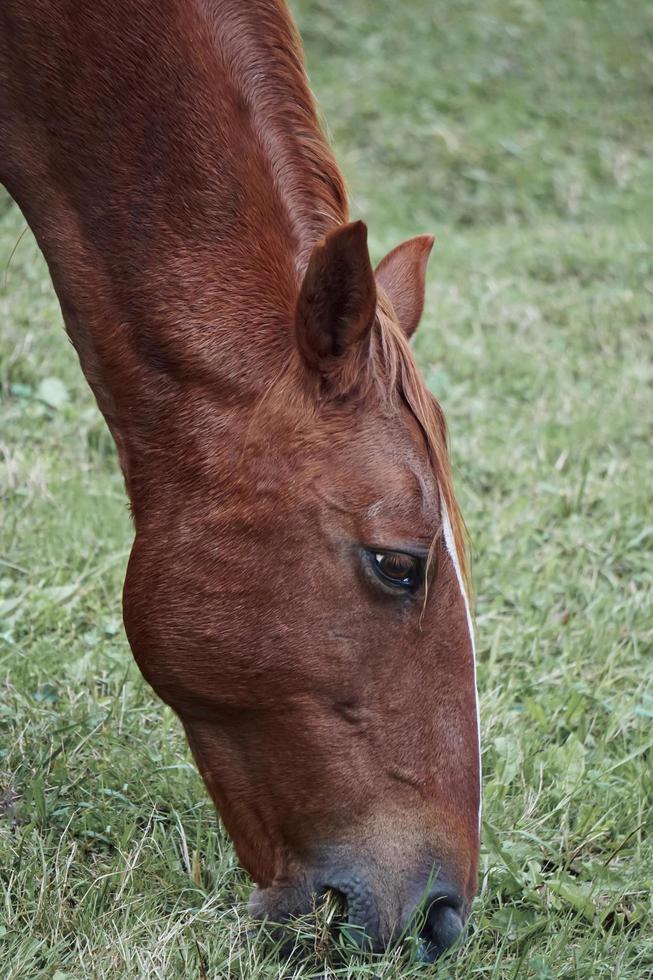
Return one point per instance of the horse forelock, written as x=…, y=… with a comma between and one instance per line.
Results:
x=396, y=372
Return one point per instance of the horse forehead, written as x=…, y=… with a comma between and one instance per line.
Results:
x=396, y=477
x=381, y=459
x=410, y=496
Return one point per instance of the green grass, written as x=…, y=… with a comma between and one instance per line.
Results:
x=520, y=132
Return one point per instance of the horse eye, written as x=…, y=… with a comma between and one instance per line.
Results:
x=398, y=569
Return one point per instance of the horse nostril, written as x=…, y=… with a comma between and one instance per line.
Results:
x=442, y=926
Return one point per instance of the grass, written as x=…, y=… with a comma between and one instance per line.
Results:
x=521, y=133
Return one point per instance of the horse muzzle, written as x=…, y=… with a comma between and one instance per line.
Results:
x=430, y=914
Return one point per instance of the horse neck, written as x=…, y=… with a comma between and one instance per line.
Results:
x=262, y=49
x=169, y=160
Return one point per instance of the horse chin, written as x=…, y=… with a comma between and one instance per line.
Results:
x=278, y=904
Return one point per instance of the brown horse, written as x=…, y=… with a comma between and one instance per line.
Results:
x=295, y=590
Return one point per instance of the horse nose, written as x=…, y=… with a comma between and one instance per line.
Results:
x=437, y=925
x=442, y=922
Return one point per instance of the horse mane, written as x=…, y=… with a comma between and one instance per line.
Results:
x=262, y=51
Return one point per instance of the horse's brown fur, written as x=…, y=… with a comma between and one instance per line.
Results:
x=271, y=422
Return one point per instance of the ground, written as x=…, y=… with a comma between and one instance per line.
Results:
x=520, y=132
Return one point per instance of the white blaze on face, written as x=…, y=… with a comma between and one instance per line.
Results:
x=450, y=544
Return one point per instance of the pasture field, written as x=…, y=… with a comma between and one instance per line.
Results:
x=521, y=133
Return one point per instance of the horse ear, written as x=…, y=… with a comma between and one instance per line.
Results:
x=337, y=300
x=402, y=275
